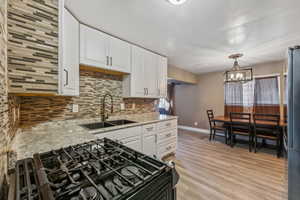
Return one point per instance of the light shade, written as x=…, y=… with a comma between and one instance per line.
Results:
x=176, y=2
x=241, y=75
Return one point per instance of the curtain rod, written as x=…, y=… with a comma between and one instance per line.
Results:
x=267, y=76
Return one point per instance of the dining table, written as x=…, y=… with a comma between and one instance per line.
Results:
x=283, y=126
x=226, y=120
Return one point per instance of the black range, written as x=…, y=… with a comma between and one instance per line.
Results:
x=97, y=170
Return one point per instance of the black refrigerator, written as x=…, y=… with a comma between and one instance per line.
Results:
x=294, y=123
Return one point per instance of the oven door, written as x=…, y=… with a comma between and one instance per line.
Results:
x=161, y=188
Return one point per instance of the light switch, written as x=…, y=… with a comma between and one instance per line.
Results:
x=75, y=108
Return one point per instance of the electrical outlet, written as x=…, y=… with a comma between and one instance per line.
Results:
x=133, y=106
x=195, y=123
x=75, y=108
x=122, y=105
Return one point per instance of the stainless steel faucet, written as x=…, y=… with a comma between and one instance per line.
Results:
x=104, y=116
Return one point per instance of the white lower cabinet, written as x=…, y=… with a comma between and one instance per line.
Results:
x=134, y=143
x=155, y=140
x=149, y=145
x=150, y=140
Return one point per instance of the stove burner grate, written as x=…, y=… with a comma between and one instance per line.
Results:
x=100, y=169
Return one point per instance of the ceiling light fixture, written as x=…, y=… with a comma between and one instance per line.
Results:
x=238, y=74
x=177, y=2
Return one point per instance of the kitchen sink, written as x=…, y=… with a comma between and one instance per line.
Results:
x=107, y=124
x=121, y=122
x=97, y=125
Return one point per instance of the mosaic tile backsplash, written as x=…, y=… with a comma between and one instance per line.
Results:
x=9, y=105
x=33, y=46
x=93, y=86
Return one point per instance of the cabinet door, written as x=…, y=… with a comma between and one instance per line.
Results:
x=138, y=81
x=162, y=76
x=149, y=145
x=93, y=47
x=69, y=71
x=151, y=62
x=134, y=144
x=119, y=52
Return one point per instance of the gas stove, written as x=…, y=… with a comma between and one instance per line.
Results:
x=97, y=170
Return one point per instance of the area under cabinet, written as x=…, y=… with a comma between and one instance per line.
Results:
x=155, y=139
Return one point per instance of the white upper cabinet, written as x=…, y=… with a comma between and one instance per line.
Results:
x=151, y=65
x=146, y=80
x=94, y=47
x=119, y=55
x=136, y=81
x=69, y=54
x=162, y=76
x=142, y=82
x=98, y=49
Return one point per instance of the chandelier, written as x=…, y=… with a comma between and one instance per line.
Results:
x=236, y=73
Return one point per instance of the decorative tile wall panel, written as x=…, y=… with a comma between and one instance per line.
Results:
x=9, y=105
x=3, y=92
x=33, y=46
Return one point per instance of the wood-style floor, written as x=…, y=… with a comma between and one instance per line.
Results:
x=215, y=171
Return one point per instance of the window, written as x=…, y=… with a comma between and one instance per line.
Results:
x=164, y=104
x=234, y=94
x=266, y=91
x=260, y=95
x=266, y=95
x=238, y=97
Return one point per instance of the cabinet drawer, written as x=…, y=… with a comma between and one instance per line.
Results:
x=161, y=137
x=133, y=142
x=167, y=124
x=105, y=135
x=149, y=129
x=130, y=139
x=121, y=133
x=166, y=149
x=127, y=133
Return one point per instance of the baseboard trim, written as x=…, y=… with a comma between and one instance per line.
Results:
x=198, y=130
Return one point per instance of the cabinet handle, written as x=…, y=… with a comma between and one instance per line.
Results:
x=144, y=91
x=107, y=60
x=147, y=91
x=150, y=129
x=110, y=61
x=159, y=92
x=67, y=77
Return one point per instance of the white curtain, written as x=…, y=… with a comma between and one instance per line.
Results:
x=234, y=94
x=267, y=91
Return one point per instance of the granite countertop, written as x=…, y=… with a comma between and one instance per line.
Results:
x=55, y=135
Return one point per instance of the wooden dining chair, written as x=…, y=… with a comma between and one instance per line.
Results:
x=240, y=124
x=216, y=126
x=267, y=126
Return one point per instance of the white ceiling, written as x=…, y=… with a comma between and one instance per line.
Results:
x=199, y=35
